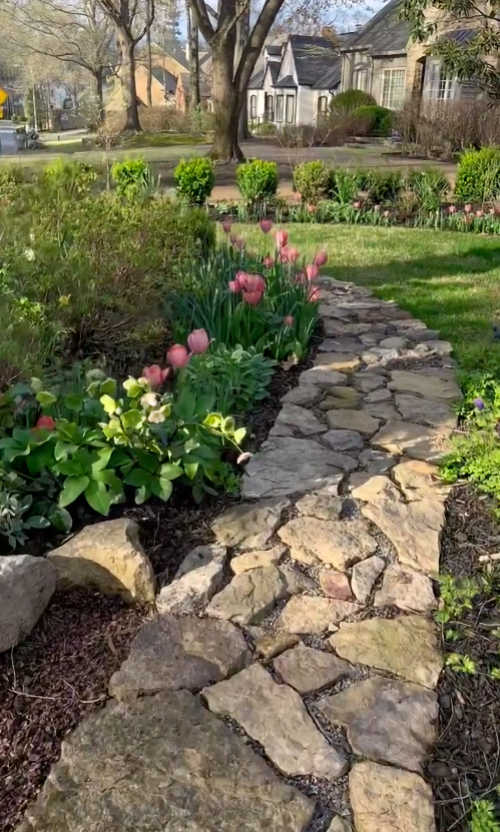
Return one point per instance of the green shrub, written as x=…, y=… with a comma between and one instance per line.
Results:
x=350, y=100
x=378, y=119
x=264, y=128
x=484, y=817
x=235, y=377
x=311, y=181
x=478, y=175
x=68, y=179
x=384, y=186
x=257, y=180
x=194, y=180
x=429, y=186
x=343, y=185
x=132, y=178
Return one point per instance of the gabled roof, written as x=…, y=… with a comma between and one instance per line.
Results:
x=385, y=33
x=273, y=50
x=331, y=79
x=257, y=79
x=288, y=81
x=165, y=78
x=313, y=57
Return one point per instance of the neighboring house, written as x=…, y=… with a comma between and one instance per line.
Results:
x=295, y=81
x=382, y=60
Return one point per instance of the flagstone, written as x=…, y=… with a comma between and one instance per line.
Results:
x=336, y=542
x=307, y=669
x=388, y=799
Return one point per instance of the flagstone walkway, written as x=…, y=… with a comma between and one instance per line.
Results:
x=288, y=683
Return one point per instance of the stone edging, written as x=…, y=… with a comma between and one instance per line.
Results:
x=319, y=645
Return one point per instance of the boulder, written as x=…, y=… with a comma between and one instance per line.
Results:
x=26, y=587
x=198, y=578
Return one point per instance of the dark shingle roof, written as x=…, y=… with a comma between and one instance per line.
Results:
x=287, y=81
x=460, y=36
x=313, y=57
x=331, y=79
x=257, y=80
x=273, y=50
x=165, y=78
x=274, y=69
x=384, y=33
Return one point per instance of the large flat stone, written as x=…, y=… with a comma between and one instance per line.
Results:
x=344, y=362
x=164, y=763
x=432, y=383
x=275, y=716
x=320, y=504
x=249, y=525
x=108, y=557
x=406, y=646
x=343, y=440
x=335, y=584
x=250, y=596
x=173, y=652
x=364, y=575
x=387, y=799
x=257, y=558
x=418, y=479
x=336, y=542
x=417, y=441
x=198, y=578
x=302, y=394
x=285, y=466
x=343, y=397
x=406, y=589
x=26, y=587
x=301, y=419
x=358, y=420
x=307, y=669
x=314, y=614
x=434, y=412
x=386, y=720
x=322, y=378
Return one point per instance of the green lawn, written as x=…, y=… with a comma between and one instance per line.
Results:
x=447, y=279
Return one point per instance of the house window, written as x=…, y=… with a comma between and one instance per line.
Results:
x=360, y=79
x=253, y=107
x=290, y=109
x=269, y=108
x=279, y=108
x=445, y=86
x=322, y=106
x=393, y=90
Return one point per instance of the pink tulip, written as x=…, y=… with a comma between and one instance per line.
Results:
x=281, y=238
x=268, y=262
x=387, y=214
x=293, y=254
x=283, y=254
x=452, y=209
x=252, y=298
x=240, y=278
x=491, y=211
x=255, y=283
x=234, y=286
x=321, y=258
x=356, y=205
x=467, y=208
x=226, y=225
x=155, y=375
x=240, y=243
x=289, y=320
x=313, y=295
x=265, y=226
x=45, y=423
x=312, y=271
x=311, y=209
x=376, y=208
x=198, y=341
x=479, y=213
x=300, y=277
x=178, y=356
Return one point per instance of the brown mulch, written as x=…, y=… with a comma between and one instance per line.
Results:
x=50, y=682
x=465, y=765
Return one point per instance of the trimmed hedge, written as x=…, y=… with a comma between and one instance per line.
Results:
x=478, y=175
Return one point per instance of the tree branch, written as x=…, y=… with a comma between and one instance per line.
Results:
x=255, y=43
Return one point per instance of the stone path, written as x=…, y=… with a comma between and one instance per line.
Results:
x=288, y=682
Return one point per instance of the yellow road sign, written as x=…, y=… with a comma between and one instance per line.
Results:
x=3, y=96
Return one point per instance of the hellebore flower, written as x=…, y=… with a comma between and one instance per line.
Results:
x=178, y=356
x=265, y=226
x=198, y=341
x=155, y=375
x=289, y=320
x=312, y=271
x=478, y=403
x=45, y=422
x=149, y=400
x=281, y=238
x=268, y=261
x=226, y=225
x=320, y=258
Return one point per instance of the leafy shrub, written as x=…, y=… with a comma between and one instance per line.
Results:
x=478, y=175
x=484, y=817
x=237, y=378
x=264, y=128
x=311, y=181
x=378, y=119
x=28, y=504
x=132, y=178
x=384, y=186
x=429, y=186
x=68, y=179
x=257, y=180
x=343, y=185
x=350, y=100
x=194, y=179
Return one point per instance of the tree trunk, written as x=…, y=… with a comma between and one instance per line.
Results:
x=149, y=92
x=99, y=95
x=243, y=32
x=127, y=80
x=227, y=105
x=194, y=58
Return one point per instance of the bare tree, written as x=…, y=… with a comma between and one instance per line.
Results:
x=194, y=56
x=75, y=32
x=131, y=22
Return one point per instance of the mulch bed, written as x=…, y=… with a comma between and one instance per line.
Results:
x=61, y=672
x=465, y=764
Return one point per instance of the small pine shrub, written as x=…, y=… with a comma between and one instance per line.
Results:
x=311, y=181
x=257, y=180
x=194, y=179
x=378, y=119
x=132, y=178
x=478, y=175
x=351, y=100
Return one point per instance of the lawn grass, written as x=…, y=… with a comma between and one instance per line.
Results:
x=449, y=280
